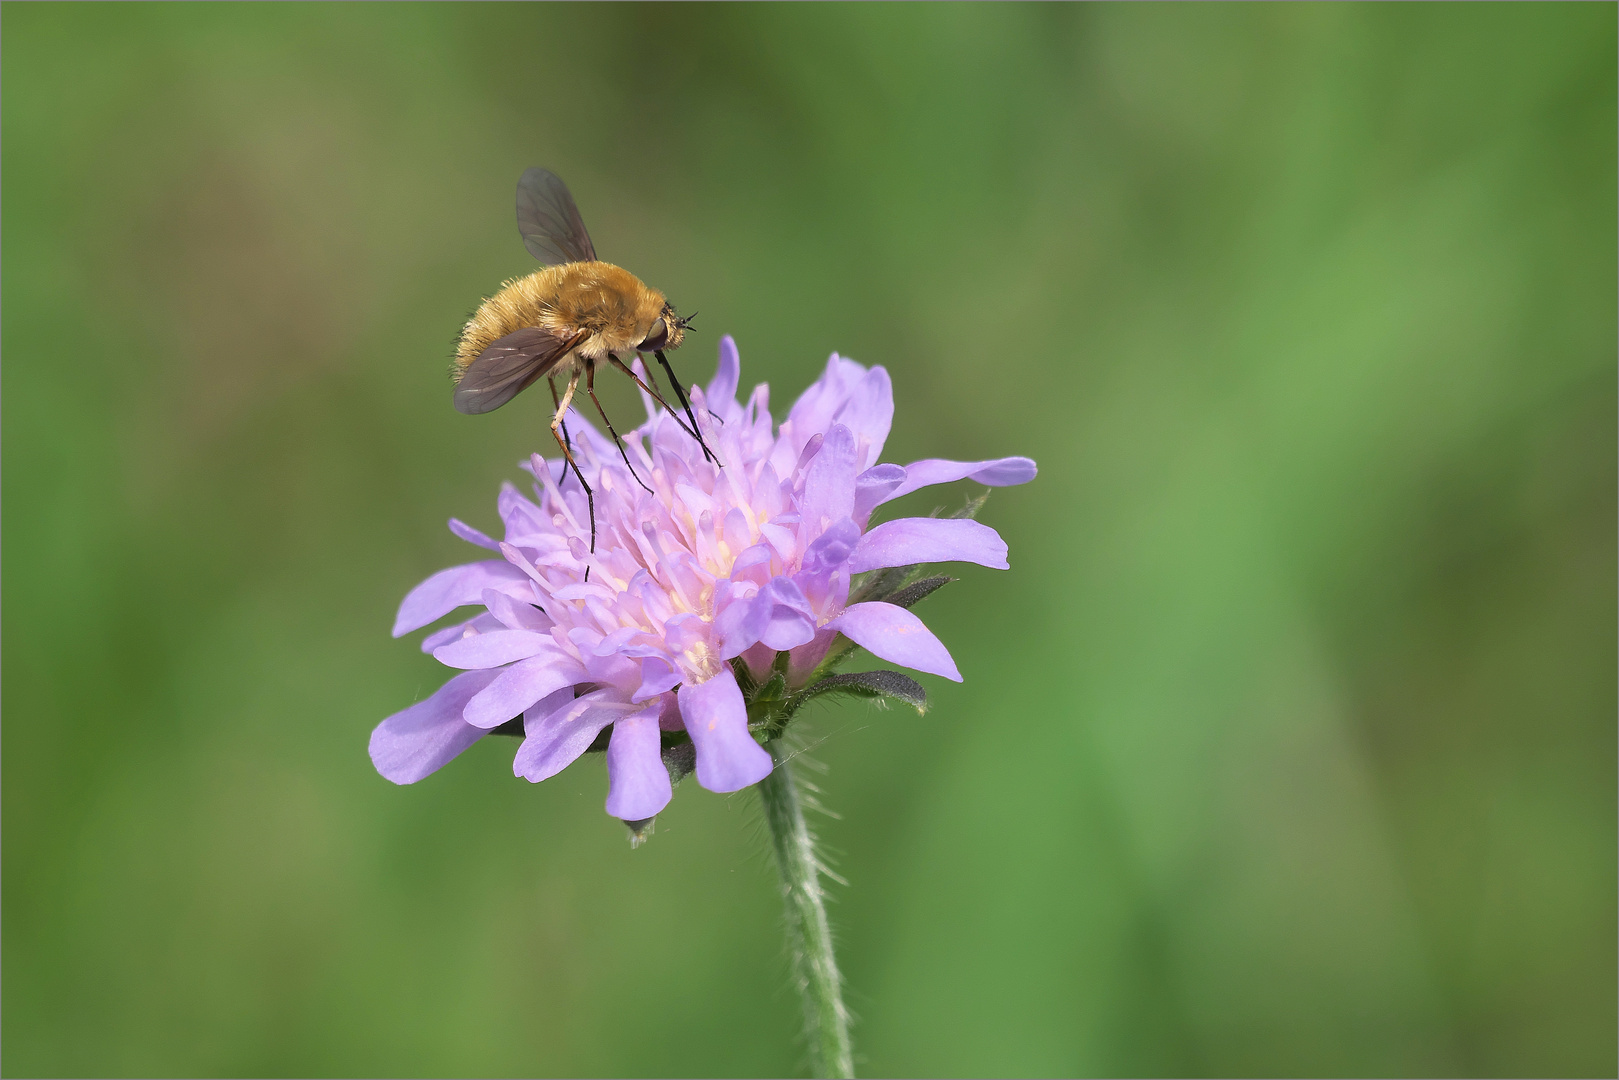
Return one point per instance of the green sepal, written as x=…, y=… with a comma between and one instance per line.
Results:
x=881, y=584
x=774, y=689
x=869, y=684
x=679, y=757
x=770, y=706
x=973, y=505
x=916, y=590
x=745, y=681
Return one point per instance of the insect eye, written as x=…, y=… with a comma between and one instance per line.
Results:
x=655, y=338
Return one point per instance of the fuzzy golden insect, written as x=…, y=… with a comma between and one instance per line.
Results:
x=563, y=320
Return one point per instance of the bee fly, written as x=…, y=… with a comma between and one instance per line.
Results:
x=563, y=319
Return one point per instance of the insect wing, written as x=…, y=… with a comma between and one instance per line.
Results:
x=550, y=223
x=508, y=366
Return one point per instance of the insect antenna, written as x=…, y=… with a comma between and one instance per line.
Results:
x=590, y=388
x=681, y=394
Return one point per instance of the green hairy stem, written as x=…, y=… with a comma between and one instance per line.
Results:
x=815, y=970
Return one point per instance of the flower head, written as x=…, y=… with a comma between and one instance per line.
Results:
x=738, y=560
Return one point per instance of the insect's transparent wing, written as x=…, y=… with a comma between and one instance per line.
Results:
x=552, y=230
x=507, y=367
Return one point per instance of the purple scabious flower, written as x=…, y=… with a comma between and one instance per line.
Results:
x=714, y=565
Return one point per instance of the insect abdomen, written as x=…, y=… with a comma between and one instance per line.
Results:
x=521, y=302
x=604, y=300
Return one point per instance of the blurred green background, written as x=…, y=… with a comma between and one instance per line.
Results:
x=1287, y=746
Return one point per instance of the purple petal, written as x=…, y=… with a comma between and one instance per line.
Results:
x=760, y=659
x=519, y=686
x=658, y=676
x=891, y=633
x=790, y=621
x=803, y=660
x=873, y=487
x=449, y=589
x=521, y=517
x=806, y=454
x=814, y=410
x=478, y=624
x=494, y=649
x=824, y=574
x=816, y=406
x=614, y=669
x=999, y=472
x=924, y=540
x=722, y=387
x=515, y=614
x=637, y=783
x=831, y=550
x=828, y=484
x=471, y=535
x=869, y=414
x=684, y=632
x=559, y=730
x=716, y=719
x=420, y=740
x=740, y=623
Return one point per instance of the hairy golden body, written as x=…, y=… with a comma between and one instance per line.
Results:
x=606, y=302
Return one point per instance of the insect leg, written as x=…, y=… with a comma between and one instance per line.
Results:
x=590, y=496
x=566, y=442
x=590, y=388
x=653, y=390
x=681, y=394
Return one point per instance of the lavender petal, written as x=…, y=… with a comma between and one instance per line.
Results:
x=819, y=404
x=472, y=536
x=420, y=740
x=895, y=635
x=558, y=730
x=478, y=624
x=722, y=387
x=658, y=677
x=815, y=410
x=874, y=487
x=717, y=720
x=515, y=614
x=869, y=414
x=905, y=541
x=638, y=785
x=520, y=686
x=997, y=472
x=520, y=516
x=493, y=649
x=739, y=625
x=449, y=589
x=790, y=622
x=829, y=484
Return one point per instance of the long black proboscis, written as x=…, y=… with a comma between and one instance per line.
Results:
x=653, y=390
x=681, y=394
